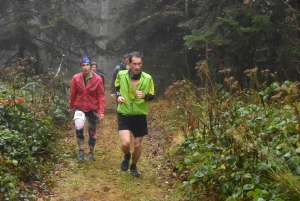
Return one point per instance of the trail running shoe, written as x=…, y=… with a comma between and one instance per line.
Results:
x=80, y=156
x=134, y=171
x=125, y=162
x=91, y=156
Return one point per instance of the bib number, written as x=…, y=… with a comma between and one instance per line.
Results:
x=79, y=115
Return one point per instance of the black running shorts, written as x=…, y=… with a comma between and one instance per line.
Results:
x=137, y=124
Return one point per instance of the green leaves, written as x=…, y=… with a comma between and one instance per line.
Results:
x=248, y=150
x=195, y=41
x=247, y=187
x=294, y=163
x=187, y=162
x=222, y=20
x=263, y=167
x=28, y=141
x=262, y=22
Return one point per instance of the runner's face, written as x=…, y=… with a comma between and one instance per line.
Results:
x=127, y=61
x=86, y=68
x=94, y=68
x=136, y=65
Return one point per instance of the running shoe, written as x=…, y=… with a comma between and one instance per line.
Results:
x=80, y=156
x=134, y=171
x=91, y=156
x=125, y=162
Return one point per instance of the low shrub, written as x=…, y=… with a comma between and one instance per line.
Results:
x=239, y=145
x=32, y=115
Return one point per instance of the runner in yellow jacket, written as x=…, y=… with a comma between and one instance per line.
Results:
x=134, y=91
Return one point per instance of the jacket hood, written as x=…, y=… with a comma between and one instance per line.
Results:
x=123, y=66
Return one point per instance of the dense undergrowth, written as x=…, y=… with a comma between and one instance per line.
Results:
x=32, y=113
x=239, y=144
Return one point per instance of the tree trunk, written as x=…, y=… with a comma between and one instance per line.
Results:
x=21, y=32
x=186, y=55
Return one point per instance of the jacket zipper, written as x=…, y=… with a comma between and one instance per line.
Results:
x=131, y=103
x=84, y=91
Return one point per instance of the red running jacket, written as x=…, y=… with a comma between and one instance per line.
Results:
x=89, y=97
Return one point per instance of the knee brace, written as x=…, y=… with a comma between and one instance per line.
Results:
x=79, y=119
x=79, y=124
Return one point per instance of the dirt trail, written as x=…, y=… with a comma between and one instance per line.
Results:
x=102, y=180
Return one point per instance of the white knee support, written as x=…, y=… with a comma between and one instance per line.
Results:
x=79, y=124
x=79, y=119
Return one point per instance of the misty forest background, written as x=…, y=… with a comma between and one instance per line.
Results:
x=227, y=70
x=174, y=36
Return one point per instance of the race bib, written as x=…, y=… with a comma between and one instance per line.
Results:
x=79, y=115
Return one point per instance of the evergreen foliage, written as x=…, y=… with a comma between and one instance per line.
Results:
x=227, y=34
x=45, y=30
x=32, y=116
x=151, y=27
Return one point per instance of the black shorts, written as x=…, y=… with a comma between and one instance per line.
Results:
x=137, y=124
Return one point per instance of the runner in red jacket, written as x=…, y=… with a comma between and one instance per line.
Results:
x=87, y=100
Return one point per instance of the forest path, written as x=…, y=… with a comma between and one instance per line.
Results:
x=102, y=179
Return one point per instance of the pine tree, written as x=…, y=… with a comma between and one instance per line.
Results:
x=236, y=34
x=151, y=26
x=45, y=30
x=240, y=35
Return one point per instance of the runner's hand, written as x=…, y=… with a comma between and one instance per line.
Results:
x=139, y=94
x=100, y=116
x=71, y=111
x=121, y=99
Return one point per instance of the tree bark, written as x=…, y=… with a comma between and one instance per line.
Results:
x=186, y=56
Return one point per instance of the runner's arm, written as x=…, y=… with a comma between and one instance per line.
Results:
x=113, y=89
x=150, y=95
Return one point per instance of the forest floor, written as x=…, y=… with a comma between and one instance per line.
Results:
x=102, y=179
